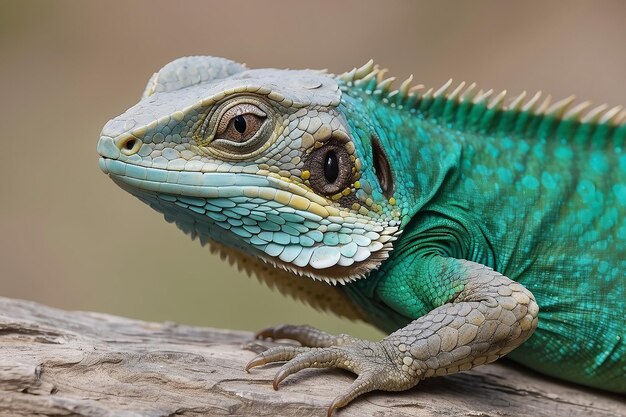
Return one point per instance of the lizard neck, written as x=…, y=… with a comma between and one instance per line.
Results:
x=422, y=154
x=468, y=191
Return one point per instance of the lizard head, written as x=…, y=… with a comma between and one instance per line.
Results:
x=263, y=162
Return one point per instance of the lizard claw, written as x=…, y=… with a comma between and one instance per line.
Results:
x=364, y=383
x=369, y=360
x=275, y=354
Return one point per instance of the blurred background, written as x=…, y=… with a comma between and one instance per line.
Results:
x=71, y=239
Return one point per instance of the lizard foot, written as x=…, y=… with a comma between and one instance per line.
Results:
x=373, y=362
x=491, y=316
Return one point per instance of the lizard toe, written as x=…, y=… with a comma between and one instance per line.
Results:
x=364, y=383
x=306, y=335
x=371, y=361
x=275, y=354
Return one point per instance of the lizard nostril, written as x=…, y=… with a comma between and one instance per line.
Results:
x=129, y=145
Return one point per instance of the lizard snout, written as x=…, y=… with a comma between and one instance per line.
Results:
x=112, y=148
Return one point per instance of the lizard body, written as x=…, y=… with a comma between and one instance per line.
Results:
x=440, y=217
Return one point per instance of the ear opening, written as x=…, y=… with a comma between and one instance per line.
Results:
x=382, y=167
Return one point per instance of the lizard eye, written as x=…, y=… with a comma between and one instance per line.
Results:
x=240, y=123
x=238, y=129
x=330, y=167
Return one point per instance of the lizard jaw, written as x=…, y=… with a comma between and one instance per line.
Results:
x=236, y=210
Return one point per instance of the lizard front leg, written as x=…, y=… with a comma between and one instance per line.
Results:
x=488, y=316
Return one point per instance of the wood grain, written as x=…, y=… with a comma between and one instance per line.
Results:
x=61, y=363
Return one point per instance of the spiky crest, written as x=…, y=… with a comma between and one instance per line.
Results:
x=484, y=113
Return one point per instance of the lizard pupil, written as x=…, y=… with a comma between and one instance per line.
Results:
x=331, y=167
x=240, y=124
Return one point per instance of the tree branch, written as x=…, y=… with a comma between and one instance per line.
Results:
x=59, y=363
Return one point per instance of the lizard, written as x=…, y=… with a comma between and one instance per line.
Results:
x=465, y=228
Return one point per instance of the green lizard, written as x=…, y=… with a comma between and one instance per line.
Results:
x=439, y=217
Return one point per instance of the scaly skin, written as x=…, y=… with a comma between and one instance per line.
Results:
x=491, y=316
x=440, y=217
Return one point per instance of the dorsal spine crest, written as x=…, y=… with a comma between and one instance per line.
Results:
x=465, y=108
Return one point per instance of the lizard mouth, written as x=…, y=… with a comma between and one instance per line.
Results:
x=279, y=222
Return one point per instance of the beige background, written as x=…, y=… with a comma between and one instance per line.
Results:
x=70, y=238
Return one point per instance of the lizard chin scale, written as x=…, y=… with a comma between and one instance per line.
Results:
x=315, y=293
x=242, y=212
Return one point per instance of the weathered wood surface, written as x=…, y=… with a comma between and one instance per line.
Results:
x=60, y=363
